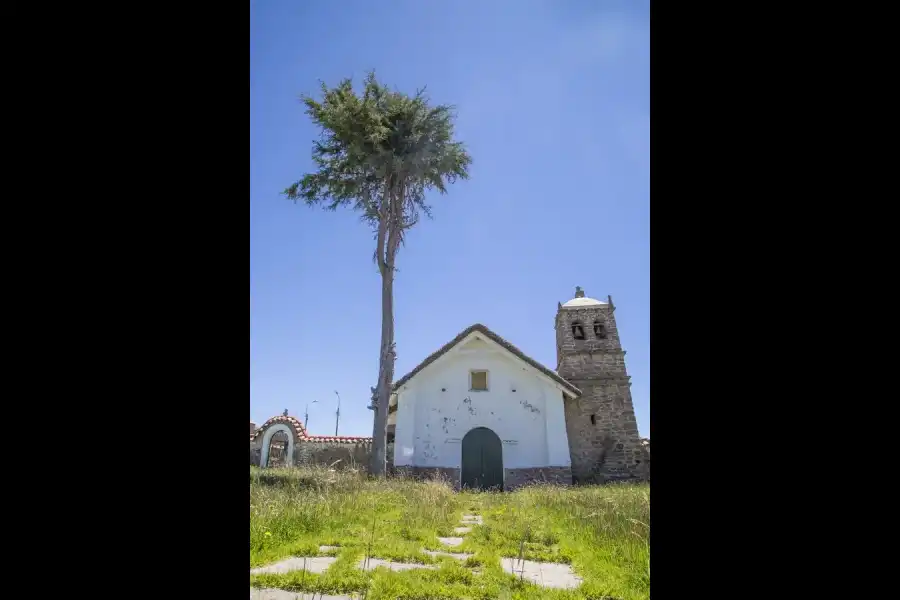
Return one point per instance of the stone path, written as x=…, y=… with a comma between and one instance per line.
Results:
x=552, y=575
x=451, y=541
x=311, y=564
x=267, y=594
x=373, y=563
x=456, y=555
x=467, y=520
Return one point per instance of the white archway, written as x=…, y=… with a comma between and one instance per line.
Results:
x=267, y=440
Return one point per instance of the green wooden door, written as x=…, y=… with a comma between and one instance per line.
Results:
x=482, y=460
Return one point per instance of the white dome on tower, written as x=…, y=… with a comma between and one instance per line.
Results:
x=580, y=300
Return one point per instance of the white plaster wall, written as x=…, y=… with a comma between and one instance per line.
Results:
x=530, y=421
x=404, y=434
x=558, y=454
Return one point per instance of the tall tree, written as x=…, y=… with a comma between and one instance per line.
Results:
x=380, y=153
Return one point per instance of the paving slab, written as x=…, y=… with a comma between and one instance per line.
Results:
x=472, y=520
x=272, y=594
x=373, y=563
x=462, y=530
x=451, y=541
x=311, y=564
x=553, y=575
x=328, y=548
x=456, y=555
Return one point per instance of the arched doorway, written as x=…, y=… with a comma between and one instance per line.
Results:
x=287, y=457
x=278, y=448
x=482, y=460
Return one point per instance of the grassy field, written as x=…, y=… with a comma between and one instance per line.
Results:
x=603, y=532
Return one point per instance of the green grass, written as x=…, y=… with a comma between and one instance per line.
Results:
x=603, y=532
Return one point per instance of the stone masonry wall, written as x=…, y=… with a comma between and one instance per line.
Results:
x=602, y=429
x=337, y=455
x=516, y=478
x=255, y=450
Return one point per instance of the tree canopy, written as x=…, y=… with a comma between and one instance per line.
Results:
x=379, y=153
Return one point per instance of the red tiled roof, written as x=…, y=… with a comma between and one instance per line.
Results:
x=301, y=434
x=339, y=440
x=295, y=424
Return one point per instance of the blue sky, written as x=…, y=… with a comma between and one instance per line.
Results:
x=553, y=102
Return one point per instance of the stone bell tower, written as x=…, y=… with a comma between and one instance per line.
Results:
x=603, y=435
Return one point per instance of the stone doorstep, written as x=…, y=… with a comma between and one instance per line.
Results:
x=553, y=575
x=311, y=564
x=272, y=594
x=451, y=541
x=373, y=563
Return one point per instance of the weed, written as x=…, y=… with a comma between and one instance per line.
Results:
x=602, y=532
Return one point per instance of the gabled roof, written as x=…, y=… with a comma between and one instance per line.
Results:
x=478, y=327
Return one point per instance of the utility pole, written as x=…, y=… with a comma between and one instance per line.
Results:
x=337, y=415
x=306, y=416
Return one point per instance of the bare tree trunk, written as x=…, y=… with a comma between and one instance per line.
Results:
x=389, y=226
x=385, y=375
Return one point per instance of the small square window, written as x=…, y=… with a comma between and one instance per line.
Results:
x=479, y=381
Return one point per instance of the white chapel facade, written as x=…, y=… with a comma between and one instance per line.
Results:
x=483, y=414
